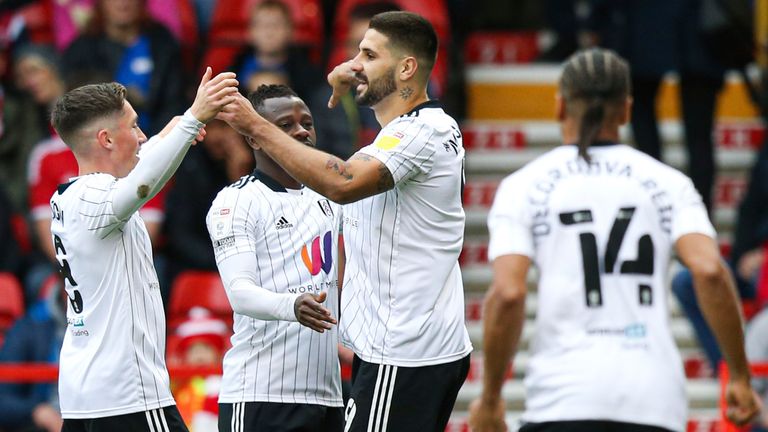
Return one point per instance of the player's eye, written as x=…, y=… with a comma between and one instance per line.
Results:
x=308, y=125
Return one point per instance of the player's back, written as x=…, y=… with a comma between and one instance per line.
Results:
x=602, y=236
x=112, y=358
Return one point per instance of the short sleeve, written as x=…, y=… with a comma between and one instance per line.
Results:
x=231, y=226
x=407, y=147
x=509, y=225
x=689, y=214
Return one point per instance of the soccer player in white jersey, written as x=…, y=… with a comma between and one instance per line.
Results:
x=601, y=220
x=276, y=247
x=402, y=306
x=112, y=368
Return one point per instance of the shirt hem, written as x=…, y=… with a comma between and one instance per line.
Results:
x=672, y=426
x=400, y=362
x=334, y=403
x=111, y=412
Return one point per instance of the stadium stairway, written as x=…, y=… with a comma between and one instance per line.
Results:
x=512, y=121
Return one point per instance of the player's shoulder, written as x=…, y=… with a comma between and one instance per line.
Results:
x=428, y=117
x=649, y=166
x=236, y=191
x=539, y=166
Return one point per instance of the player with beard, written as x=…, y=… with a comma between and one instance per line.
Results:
x=402, y=311
x=282, y=373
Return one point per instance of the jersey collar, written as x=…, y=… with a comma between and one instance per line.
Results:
x=268, y=181
x=598, y=143
x=432, y=103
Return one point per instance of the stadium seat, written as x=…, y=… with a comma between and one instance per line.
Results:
x=12, y=306
x=198, y=288
x=229, y=27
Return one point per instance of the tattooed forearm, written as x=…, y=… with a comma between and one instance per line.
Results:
x=342, y=168
x=406, y=92
x=362, y=156
x=386, y=182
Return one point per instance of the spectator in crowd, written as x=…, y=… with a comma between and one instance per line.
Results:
x=24, y=116
x=270, y=47
x=221, y=159
x=121, y=43
x=202, y=342
x=10, y=258
x=36, y=337
x=675, y=44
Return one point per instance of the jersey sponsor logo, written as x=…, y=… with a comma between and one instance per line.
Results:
x=76, y=322
x=325, y=206
x=224, y=243
x=221, y=221
x=388, y=142
x=319, y=261
x=283, y=223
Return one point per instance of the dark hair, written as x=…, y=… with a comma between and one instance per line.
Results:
x=84, y=104
x=598, y=79
x=96, y=24
x=264, y=92
x=366, y=11
x=275, y=4
x=410, y=33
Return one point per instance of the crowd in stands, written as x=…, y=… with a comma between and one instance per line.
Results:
x=157, y=48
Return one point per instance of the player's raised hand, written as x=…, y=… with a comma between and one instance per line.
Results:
x=342, y=78
x=311, y=313
x=213, y=94
x=485, y=417
x=240, y=115
x=743, y=403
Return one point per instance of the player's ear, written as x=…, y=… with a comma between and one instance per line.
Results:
x=407, y=68
x=559, y=107
x=104, y=138
x=626, y=111
x=252, y=143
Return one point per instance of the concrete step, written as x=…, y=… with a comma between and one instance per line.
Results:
x=517, y=135
x=527, y=92
x=738, y=160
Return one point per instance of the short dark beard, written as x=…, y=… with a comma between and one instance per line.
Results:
x=378, y=89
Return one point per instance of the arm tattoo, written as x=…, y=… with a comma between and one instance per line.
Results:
x=386, y=182
x=362, y=157
x=406, y=92
x=342, y=168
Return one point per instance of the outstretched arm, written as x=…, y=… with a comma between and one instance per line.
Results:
x=503, y=321
x=716, y=294
x=164, y=154
x=342, y=181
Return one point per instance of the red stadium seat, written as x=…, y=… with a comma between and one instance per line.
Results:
x=198, y=288
x=229, y=25
x=12, y=306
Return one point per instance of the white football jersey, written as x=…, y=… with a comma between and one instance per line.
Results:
x=291, y=238
x=403, y=296
x=113, y=355
x=602, y=236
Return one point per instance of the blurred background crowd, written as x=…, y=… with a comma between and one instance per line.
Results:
x=713, y=53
